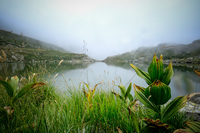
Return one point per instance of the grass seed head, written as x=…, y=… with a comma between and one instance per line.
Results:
x=60, y=62
x=4, y=55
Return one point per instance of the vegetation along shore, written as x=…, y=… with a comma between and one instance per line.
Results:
x=31, y=104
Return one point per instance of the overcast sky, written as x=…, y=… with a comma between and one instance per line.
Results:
x=109, y=27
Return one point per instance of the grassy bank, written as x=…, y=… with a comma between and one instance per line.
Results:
x=46, y=110
x=42, y=108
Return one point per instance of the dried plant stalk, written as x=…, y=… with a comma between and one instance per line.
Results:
x=60, y=62
x=1, y=59
x=4, y=55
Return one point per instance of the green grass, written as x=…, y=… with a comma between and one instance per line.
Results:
x=45, y=109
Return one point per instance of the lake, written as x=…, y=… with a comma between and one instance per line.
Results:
x=66, y=75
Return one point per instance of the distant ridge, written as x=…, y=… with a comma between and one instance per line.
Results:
x=22, y=48
x=19, y=40
x=178, y=53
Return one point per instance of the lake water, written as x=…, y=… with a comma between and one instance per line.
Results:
x=184, y=81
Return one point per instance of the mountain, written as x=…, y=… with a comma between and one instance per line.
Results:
x=177, y=53
x=22, y=48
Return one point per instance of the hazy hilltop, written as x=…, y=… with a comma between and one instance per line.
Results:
x=18, y=40
x=178, y=53
x=22, y=48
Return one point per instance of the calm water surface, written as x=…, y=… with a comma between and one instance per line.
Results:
x=184, y=81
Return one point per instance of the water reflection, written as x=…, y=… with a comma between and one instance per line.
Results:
x=183, y=82
x=11, y=69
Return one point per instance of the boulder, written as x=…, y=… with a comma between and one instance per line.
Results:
x=194, y=98
x=14, y=57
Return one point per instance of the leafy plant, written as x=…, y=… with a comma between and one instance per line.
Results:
x=130, y=102
x=158, y=93
x=191, y=127
x=90, y=93
x=125, y=95
x=14, y=94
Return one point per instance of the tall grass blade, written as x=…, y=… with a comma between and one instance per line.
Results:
x=8, y=87
x=135, y=121
x=117, y=95
x=194, y=126
x=3, y=116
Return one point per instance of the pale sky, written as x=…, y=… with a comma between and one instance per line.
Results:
x=109, y=27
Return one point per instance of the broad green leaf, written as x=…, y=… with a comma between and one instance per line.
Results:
x=128, y=91
x=130, y=97
x=142, y=74
x=160, y=93
x=145, y=91
x=26, y=88
x=173, y=107
x=14, y=83
x=142, y=98
x=152, y=70
x=8, y=87
x=160, y=67
x=166, y=78
x=123, y=90
x=194, y=126
x=156, y=68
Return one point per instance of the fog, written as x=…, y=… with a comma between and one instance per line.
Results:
x=108, y=27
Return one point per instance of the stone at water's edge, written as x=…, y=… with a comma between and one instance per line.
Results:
x=192, y=107
x=192, y=111
x=194, y=98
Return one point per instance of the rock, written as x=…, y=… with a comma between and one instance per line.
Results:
x=192, y=111
x=14, y=57
x=21, y=58
x=192, y=107
x=194, y=98
x=193, y=116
